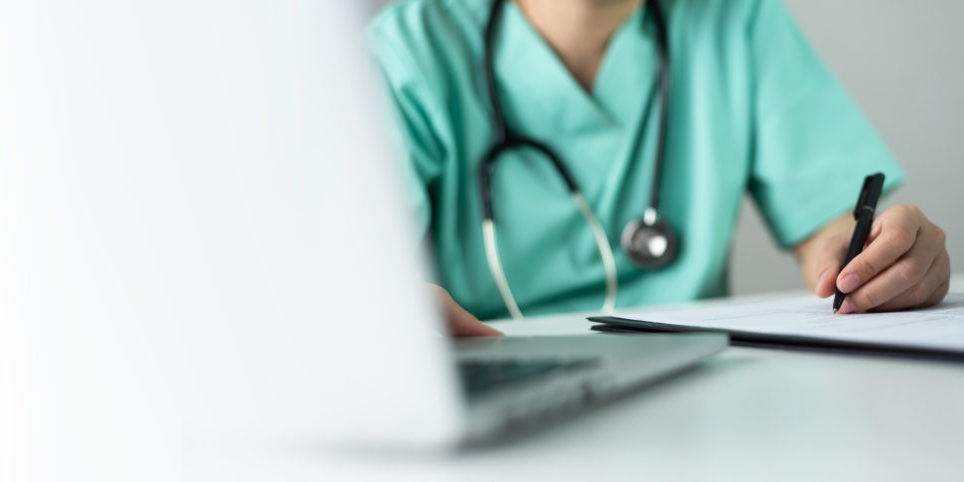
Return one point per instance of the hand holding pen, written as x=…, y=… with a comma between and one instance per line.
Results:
x=902, y=264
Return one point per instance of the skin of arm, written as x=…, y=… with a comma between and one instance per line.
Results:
x=903, y=265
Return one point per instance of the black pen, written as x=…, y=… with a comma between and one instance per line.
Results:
x=864, y=214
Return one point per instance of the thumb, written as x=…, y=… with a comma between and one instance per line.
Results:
x=828, y=263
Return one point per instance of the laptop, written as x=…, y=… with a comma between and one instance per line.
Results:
x=204, y=224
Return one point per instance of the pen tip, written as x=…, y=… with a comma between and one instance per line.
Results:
x=835, y=311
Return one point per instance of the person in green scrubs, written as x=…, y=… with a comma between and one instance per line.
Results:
x=751, y=110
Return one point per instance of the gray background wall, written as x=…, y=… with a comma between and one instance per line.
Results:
x=903, y=63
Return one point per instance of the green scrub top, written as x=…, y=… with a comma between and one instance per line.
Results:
x=752, y=110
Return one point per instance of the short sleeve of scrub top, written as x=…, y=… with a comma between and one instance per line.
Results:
x=752, y=110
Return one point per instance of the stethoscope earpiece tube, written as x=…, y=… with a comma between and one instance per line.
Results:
x=495, y=267
x=649, y=242
x=605, y=253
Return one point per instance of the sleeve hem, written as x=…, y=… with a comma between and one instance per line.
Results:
x=820, y=214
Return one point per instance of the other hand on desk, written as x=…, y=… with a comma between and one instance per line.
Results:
x=460, y=321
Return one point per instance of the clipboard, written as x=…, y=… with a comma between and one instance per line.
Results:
x=755, y=340
x=795, y=341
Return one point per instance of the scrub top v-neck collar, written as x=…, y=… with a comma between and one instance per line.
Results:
x=532, y=79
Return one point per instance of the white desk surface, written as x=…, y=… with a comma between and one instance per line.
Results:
x=748, y=414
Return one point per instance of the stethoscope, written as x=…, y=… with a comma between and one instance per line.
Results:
x=649, y=241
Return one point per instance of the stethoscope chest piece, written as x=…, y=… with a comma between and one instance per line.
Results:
x=650, y=242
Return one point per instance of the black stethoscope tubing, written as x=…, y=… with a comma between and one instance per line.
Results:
x=649, y=241
x=506, y=139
